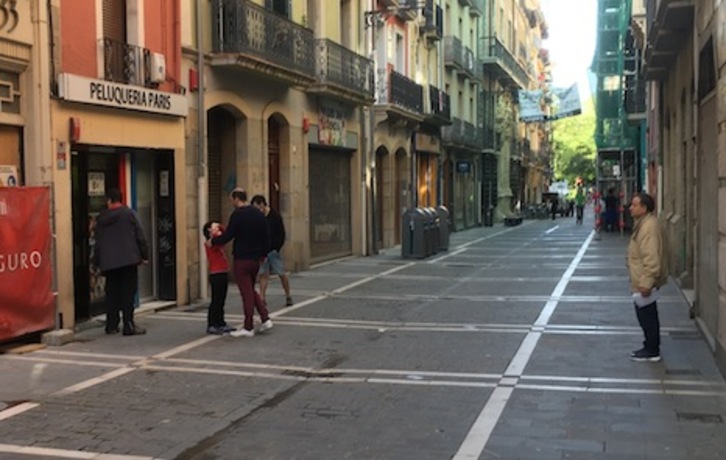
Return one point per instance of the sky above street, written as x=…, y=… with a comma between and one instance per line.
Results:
x=572, y=36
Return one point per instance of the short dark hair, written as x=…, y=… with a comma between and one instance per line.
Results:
x=239, y=194
x=206, y=230
x=647, y=201
x=114, y=195
x=259, y=199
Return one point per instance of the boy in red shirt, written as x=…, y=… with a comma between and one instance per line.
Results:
x=218, y=268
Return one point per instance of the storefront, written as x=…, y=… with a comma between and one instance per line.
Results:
x=110, y=135
x=428, y=155
x=465, y=194
x=331, y=153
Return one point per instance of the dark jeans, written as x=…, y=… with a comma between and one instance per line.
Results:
x=580, y=212
x=648, y=319
x=245, y=273
x=121, y=286
x=215, y=314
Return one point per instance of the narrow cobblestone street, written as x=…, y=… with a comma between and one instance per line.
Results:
x=513, y=344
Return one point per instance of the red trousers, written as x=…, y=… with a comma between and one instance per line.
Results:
x=245, y=274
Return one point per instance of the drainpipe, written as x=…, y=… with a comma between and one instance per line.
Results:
x=202, y=210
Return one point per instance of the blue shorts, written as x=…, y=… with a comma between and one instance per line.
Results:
x=273, y=264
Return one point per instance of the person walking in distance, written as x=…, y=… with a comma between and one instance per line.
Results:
x=218, y=268
x=580, y=204
x=647, y=264
x=248, y=228
x=120, y=249
x=273, y=264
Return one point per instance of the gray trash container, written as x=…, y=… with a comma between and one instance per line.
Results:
x=435, y=229
x=443, y=228
x=413, y=241
x=428, y=231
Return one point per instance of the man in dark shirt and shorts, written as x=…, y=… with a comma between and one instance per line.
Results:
x=248, y=227
x=273, y=264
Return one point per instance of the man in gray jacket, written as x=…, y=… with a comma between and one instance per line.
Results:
x=647, y=262
x=120, y=249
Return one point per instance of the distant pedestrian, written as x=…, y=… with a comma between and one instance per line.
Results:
x=611, y=211
x=580, y=204
x=647, y=263
x=273, y=264
x=249, y=230
x=553, y=208
x=218, y=273
x=120, y=249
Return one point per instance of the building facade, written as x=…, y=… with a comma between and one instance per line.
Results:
x=684, y=61
x=116, y=120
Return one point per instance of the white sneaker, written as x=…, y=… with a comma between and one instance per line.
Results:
x=266, y=326
x=242, y=332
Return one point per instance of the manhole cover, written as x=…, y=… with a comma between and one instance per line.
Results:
x=702, y=418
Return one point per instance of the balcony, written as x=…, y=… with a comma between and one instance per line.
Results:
x=668, y=22
x=438, y=107
x=124, y=63
x=503, y=64
x=432, y=24
x=635, y=98
x=399, y=98
x=486, y=115
x=407, y=9
x=461, y=135
x=477, y=8
x=458, y=57
x=342, y=73
x=250, y=37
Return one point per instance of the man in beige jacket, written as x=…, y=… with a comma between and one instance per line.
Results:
x=647, y=261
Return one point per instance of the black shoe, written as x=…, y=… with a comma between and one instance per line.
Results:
x=112, y=330
x=133, y=329
x=644, y=355
x=215, y=330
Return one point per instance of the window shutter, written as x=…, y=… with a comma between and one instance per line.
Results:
x=114, y=20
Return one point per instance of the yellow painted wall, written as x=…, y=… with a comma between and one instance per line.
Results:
x=103, y=126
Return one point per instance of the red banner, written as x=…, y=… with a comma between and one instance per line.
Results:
x=26, y=297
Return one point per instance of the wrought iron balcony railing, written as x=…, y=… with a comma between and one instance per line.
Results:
x=262, y=37
x=458, y=56
x=433, y=20
x=438, y=105
x=497, y=55
x=477, y=8
x=635, y=96
x=462, y=134
x=398, y=90
x=336, y=65
x=124, y=63
x=486, y=115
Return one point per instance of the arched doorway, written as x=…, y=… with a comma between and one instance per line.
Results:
x=221, y=161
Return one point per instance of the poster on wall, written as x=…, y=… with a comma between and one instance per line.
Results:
x=26, y=297
x=8, y=176
x=96, y=184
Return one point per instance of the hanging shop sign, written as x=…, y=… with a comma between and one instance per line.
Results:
x=106, y=93
x=550, y=104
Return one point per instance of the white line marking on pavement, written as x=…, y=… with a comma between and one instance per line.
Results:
x=459, y=249
x=62, y=453
x=15, y=410
x=552, y=229
x=478, y=436
x=94, y=381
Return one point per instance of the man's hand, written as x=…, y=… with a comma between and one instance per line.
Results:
x=208, y=243
x=645, y=292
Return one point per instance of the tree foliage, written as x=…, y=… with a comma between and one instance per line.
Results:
x=574, y=146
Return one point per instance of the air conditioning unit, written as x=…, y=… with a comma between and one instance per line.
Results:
x=157, y=72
